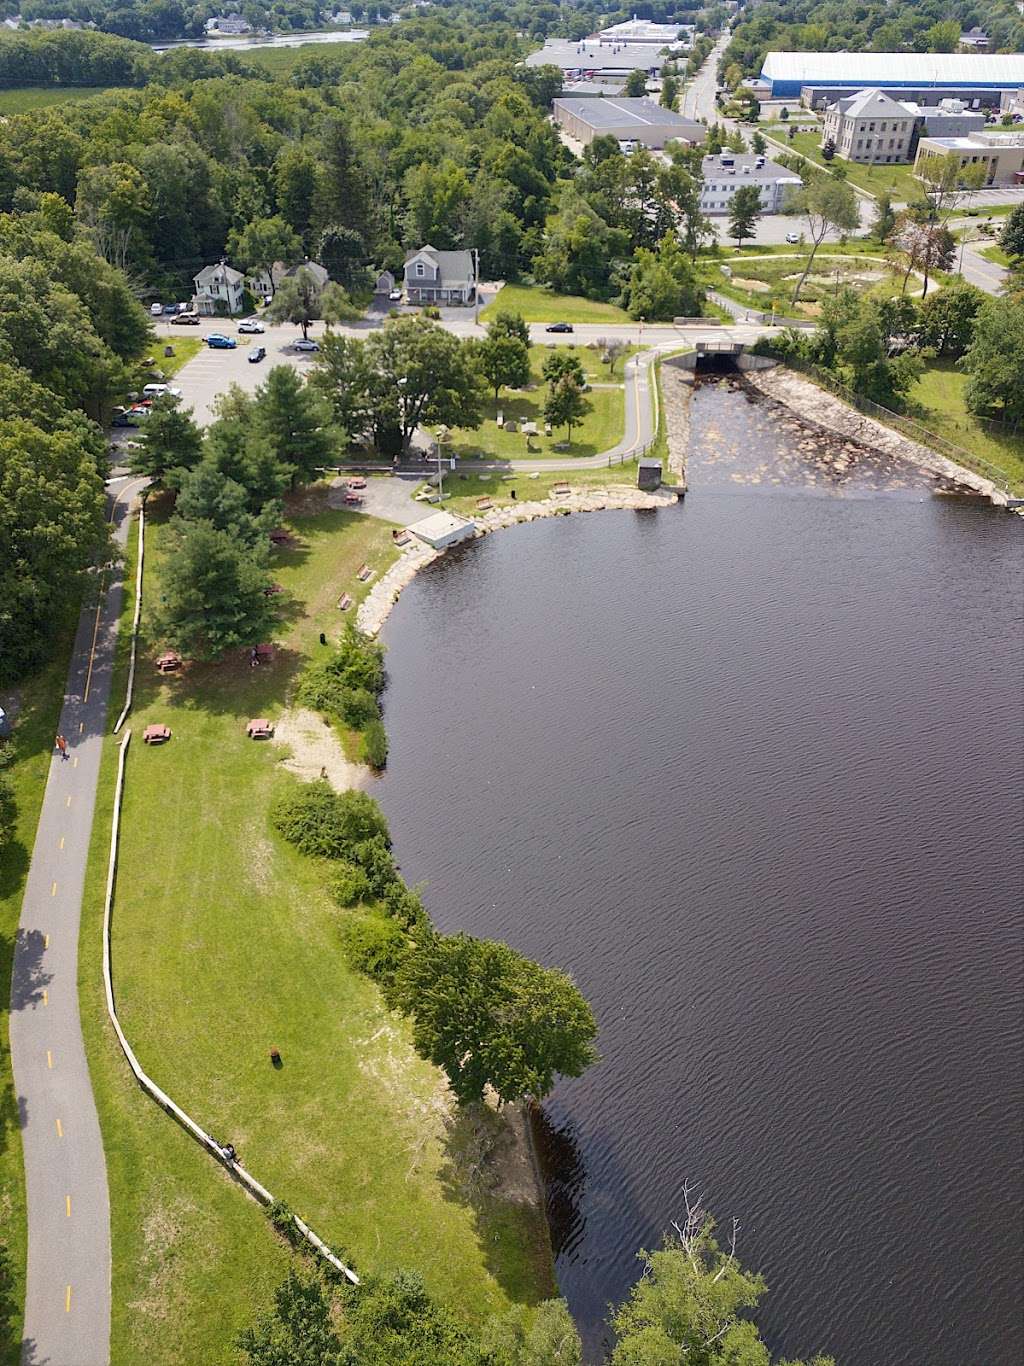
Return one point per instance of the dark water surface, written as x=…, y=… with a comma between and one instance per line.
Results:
x=751, y=770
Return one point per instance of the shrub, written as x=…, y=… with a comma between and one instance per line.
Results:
x=349, y=884
x=374, y=857
x=376, y=743
x=329, y=824
x=359, y=661
x=374, y=945
x=283, y=1221
x=401, y=903
x=9, y=809
x=359, y=708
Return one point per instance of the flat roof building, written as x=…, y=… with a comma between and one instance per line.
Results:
x=1002, y=154
x=442, y=529
x=725, y=174
x=638, y=120
x=788, y=72
x=586, y=60
x=646, y=31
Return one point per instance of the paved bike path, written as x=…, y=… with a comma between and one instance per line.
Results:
x=67, y=1301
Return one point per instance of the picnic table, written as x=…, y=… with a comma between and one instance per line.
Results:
x=272, y=589
x=484, y=504
x=364, y=573
x=560, y=489
x=281, y=536
x=156, y=734
x=345, y=602
x=353, y=499
x=357, y=482
x=168, y=662
x=263, y=654
x=259, y=729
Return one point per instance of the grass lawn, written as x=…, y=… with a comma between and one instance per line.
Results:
x=757, y=282
x=462, y=491
x=185, y=349
x=23, y=98
x=898, y=180
x=225, y=944
x=939, y=395
x=540, y=305
x=600, y=430
x=996, y=254
x=31, y=744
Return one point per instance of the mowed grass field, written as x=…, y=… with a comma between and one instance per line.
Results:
x=896, y=180
x=938, y=400
x=601, y=429
x=21, y=99
x=758, y=283
x=225, y=944
x=538, y=304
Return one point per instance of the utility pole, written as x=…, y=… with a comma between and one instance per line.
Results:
x=476, y=286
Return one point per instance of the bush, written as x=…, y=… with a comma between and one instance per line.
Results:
x=349, y=884
x=374, y=857
x=374, y=945
x=283, y=1220
x=329, y=824
x=404, y=905
x=9, y=810
x=376, y=743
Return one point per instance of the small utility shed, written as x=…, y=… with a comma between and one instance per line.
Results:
x=442, y=529
x=648, y=472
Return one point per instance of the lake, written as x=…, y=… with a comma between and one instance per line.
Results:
x=750, y=769
x=241, y=41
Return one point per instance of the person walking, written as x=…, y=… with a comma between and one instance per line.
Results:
x=62, y=745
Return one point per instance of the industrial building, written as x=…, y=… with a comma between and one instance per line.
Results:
x=640, y=122
x=1002, y=154
x=597, y=61
x=923, y=76
x=725, y=174
x=646, y=31
x=873, y=128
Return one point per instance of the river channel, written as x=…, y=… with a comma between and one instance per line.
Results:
x=750, y=769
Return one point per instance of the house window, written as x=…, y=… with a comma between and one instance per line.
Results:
x=419, y=268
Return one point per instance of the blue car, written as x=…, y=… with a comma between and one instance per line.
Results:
x=219, y=342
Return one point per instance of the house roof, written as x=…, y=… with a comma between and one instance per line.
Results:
x=454, y=267
x=746, y=170
x=279, y=271
x=895, y=68
x=211, y=274
x=871, y=104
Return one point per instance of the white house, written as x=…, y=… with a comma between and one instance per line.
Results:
x=227, y=24
x=439, y=277
x=219, y=290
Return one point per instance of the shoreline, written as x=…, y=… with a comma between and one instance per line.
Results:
x=376, y=607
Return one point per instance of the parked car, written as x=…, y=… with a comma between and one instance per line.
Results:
x=170, y=309
x=186, y=320
x=306, y=344
x=156, y=310
x=559, y=327
x=123, y=417
x=792, y=238
x=218, y=342
x=256, y=356
x=395, y=296
x=251, y=325
x=152, y=391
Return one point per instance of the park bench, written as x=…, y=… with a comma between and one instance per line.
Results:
x=168, y=662
x=364, y=573
x=156, y=734
x=484, y=504
x=560, y=490
x=259, y=729
x=345, y=602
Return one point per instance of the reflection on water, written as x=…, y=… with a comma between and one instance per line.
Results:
x=749, y=768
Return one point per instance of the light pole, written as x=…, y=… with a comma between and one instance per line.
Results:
x=476, y=286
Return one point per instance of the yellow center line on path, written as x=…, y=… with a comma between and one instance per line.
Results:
x=67, y=1205
x=81, y=727
x=67, y=1300
x=49, y=1058
x=62, y=841
x=60, y=1131
x=46, y=941
x=53, y=890
x=95, y=633
x=68, y=802
x=46, y=999
x=75, y=764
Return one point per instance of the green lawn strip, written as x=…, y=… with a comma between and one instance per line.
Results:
x=996, y=254
x=589, y=356
x=185, y=349
x=225, y=944
x=600, y=430
x=464, y=491
x=540, y=305
x=780, y=273
x=34, y=727
x=939, y=398
x=21, y=99
x=898, y=180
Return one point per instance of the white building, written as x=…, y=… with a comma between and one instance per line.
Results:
x=228, y=25
x=1002, y=154
x=869, y=127
x=596, y=60
x=220, y=289
x=729, y=172
x=442, y=529
x=646, y=31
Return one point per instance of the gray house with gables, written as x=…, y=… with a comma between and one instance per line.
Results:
x=439, y=277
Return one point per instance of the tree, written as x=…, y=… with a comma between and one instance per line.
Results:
x=946, y=321
x=296, y=420
x=261, y=243
x=170, y=440
x=636, y=85
x=8, y=816
x=300, y=299
x=943, y=36
x=52, y=529
x=690, y=1303
x=561, y=363
x=924, y=246
x=784, y=114
x=508, y=324
x=298, y=1331
x=548, y=1337
x=566, y=406
x=995, y=361
x=758, y=145
x=663, y=284
x=827, y=204
x=492, y=1018
x=669, y=92
x=735, y=142
x=579, y=249
x=213, y=597
x=885, y=218
x=342, y=253
x=681, y=186
x=504, y=361
x=828, y=149
x=744, y=212
x=206, y=494
x=1011, y=239
x=610, y=349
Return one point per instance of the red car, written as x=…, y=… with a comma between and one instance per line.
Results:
x=353, y=499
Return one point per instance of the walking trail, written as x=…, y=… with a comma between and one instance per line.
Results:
x=67, y=1301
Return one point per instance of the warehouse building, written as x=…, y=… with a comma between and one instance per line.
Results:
x=1002, y=154
x=724, y=175
x=639, y=122
x=924, y=76
x=591, y=60
x=646, y=31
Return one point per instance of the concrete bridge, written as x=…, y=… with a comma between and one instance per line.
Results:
x=721, y=355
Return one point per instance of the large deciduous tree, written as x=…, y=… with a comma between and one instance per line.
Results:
x=663, y=284
x=744, y=212
x=492, y=1018
x=504, y=362
x=301, y=299
x=261, y=243
x=827, y=204
x=566, y=405
x=995, y=361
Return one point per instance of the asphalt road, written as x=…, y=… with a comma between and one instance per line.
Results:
x=67, y=1303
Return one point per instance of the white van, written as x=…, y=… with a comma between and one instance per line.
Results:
x=156, y=309
x=158, y=390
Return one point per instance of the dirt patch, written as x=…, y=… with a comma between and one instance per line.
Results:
x=752, y=286
x=315, y=750
x=490, y=1155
